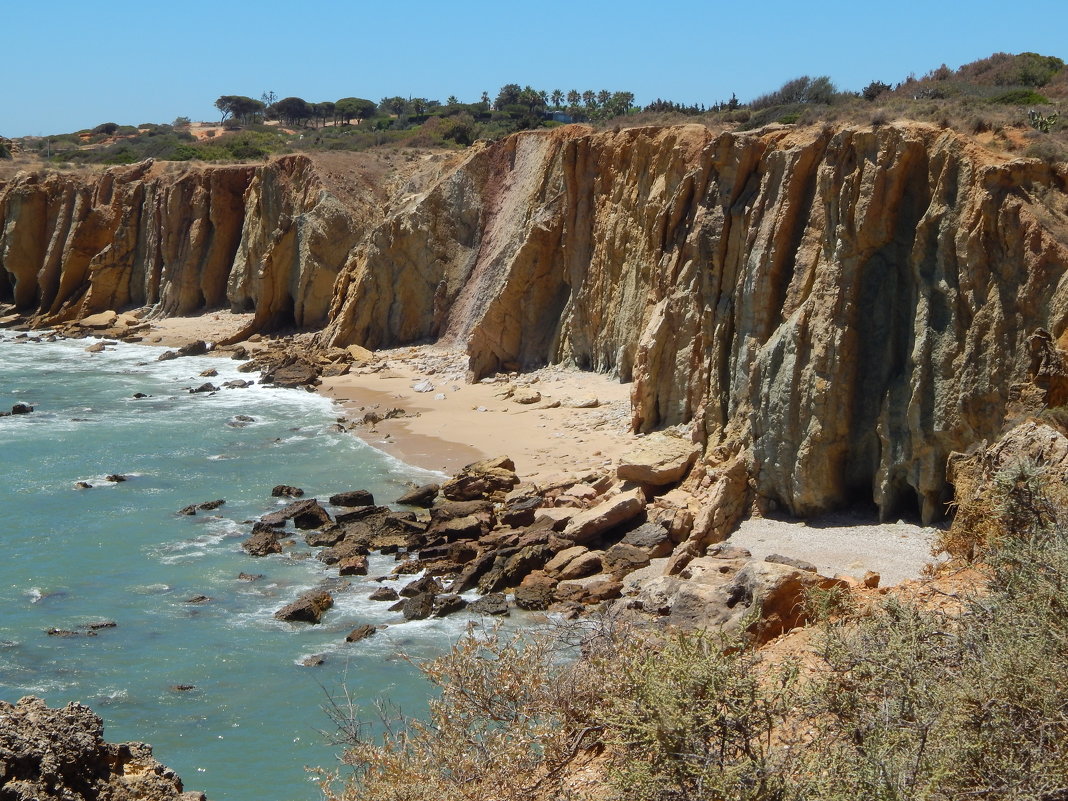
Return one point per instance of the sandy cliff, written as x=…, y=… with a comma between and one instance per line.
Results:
x=843, y=308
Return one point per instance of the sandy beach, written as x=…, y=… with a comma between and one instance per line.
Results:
x=579, y=423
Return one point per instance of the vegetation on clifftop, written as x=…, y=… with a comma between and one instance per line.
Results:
x=1012, y=100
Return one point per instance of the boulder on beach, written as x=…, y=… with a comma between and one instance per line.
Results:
x=420, y=496
x=358, y=497
x=658, y=459
x=488, y=478
x=612, y=512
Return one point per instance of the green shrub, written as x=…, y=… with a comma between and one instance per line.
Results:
x=1020, y=97
x=694, y=718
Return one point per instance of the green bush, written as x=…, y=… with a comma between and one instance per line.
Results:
x=1020, y=97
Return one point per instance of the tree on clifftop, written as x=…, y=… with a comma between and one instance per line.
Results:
x=293, y=110
x=239, y=107
x=349, y=107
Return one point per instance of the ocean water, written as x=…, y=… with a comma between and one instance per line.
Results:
x=119, y=552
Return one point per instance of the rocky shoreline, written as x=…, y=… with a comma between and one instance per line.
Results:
x=61, y=755
x=641, y=535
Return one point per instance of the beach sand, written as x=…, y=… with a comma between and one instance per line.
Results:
x=446, y=423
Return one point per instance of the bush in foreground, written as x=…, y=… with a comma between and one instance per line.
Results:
x=901, y=703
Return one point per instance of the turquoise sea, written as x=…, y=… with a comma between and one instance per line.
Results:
x=119, y=552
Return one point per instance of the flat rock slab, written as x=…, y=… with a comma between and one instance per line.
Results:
x=619, y=509
x=658, y=460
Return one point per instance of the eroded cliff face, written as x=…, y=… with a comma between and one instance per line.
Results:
x=842, y=308
x=268, y=238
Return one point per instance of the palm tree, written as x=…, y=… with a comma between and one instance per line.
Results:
x=573, y=97
x=558, y=97
x=589, y=98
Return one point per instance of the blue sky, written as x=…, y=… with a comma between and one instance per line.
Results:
x=73, y=65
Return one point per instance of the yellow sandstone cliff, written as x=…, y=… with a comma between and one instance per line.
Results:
x=842, y=307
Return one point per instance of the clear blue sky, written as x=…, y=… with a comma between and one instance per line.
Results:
x=73, y=65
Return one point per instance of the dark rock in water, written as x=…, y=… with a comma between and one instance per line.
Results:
x=60, y=755
x=238, y=383
x=264, y=541
x=197, y=347
x=360, y=633
x=420, y=586
x=507, y=571
x=353, y=498
x=353, y=566
x=198, y=599
x=535, y=595
x=249, y=576
x=116, y=478
x=139, y=395
x=101, y=624
x=418, y=607
x=313, y=661
x=287, y=491
x=240, y=352
x=384, y=594
x=420, y=496
x=297, y=374
x=343, y=550
x=167, y=356
x=86, y=485
x=325, y=537
x=208, y=387
x=207, y=506
x=308, y=608
x=244, y=418
x=493, y=604
x=304, y=514
x=447, y=604
x=183, y=688
x=186, y=510
x=21, y=408
x=211, y=372
x=398, y=606
x=69, y=633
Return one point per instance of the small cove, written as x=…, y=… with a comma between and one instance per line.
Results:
x=119, y=552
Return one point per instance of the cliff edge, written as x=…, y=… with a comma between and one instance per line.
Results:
x=60, y=754
x=840, y=309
